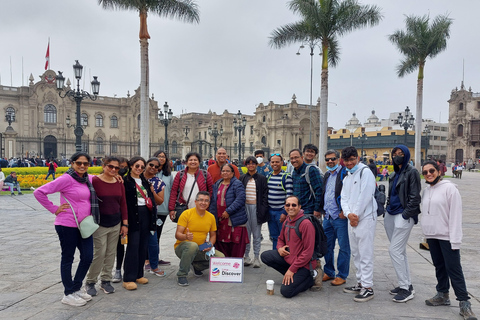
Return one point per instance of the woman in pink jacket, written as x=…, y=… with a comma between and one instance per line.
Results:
x=76, y=186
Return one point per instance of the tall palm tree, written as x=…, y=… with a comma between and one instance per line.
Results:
x=185, y=10
x=325, y=21
x=418, y=42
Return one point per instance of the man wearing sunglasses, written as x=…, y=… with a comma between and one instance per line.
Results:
x=403, y=207
x=293, y=254
x=335, y=224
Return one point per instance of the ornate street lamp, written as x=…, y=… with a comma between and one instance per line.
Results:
x=186, y=130
x=165, y=118
x=77, y=95
x=215, y=133
x=407, y=123
x=10, y=117
x=239, y=124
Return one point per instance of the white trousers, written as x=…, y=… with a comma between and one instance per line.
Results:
x=361, y=240
x=398, y=231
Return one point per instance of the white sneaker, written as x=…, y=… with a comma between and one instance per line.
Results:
x=247, y=261
x=73, y=300
x=256, y=262
x=83, y=295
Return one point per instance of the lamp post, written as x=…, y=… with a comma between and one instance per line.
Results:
x=10, y=117
x=239, y=124
x=186, y=130
x=362, y=138
x=312, y=44
x=165, y=118
x=78, y=95
x=407, y=123
x=427, y=132
x=215, y=133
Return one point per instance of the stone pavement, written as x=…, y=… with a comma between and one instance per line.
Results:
x=30, y=284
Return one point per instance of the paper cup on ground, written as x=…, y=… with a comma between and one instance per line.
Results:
x=270, y=284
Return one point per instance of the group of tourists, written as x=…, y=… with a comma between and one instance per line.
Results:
x=219, y=213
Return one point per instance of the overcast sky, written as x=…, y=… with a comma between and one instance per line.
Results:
x=225, y=61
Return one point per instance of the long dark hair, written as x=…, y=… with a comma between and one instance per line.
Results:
x=166, y=169
x=131, y=162
x=77, y=155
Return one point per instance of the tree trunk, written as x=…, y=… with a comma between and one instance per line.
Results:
x=322, y=145
x=144, y=102
x=418, y=120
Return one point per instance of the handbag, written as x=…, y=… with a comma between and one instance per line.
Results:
x=148, y=201
x=87, y=227
x=180, y=207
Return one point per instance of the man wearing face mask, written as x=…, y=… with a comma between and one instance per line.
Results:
x=335, y=224
x=262, y=168
x=403, y=207
x=360, y=207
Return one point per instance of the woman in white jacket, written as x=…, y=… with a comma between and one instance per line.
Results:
x=442, y=226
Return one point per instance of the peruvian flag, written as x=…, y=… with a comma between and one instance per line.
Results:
x=47, y=55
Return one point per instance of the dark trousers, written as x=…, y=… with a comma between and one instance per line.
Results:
x=137, y=247
x=120, y=253
x=70, y=239
x=448, y=267
x=302, y=279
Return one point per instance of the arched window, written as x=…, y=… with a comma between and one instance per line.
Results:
x=174, y=147
x=263, y=119
x=98, y=120
x=460, y=106
x=114, y=122
x=99, y=145
x=460, y=130
x=84, y=120
x=10, y=112
x=50, y=114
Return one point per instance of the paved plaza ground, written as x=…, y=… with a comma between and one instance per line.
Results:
x=30, y=286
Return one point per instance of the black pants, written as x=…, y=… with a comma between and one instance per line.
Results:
x=302, y=279
x=120, y=253
x=137, y=247
x=447, y=266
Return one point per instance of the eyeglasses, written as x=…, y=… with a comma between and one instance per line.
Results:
x=81, y=163
x=330, y=159
x=112, y=167
x=139, y=166
x=431, y=171
x=203, y=200
x=351, y=159
x=151, y=165
x=275, y=154
x=293, y=205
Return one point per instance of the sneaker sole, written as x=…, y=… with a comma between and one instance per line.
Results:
x=107, y=292
x=410, y=297
x=363, y=299
x=183, y=284
x=395, y=293
x=74, y=304
x=116, y=280
x=351, y=291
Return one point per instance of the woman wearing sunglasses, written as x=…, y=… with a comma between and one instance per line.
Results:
x=442, y=227
x=113, y=221
x=228, y=206
x=151, y=265
x=141, y=221
x=76, y=186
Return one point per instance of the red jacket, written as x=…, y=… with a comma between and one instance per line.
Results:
x=178, y=186
x=301, y=250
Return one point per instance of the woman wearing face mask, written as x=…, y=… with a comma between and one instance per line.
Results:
x=442, y=227
x=189, y=182
x=141, y=220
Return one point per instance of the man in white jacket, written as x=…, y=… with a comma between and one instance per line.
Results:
x=360, y=207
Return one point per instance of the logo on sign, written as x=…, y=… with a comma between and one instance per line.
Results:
x=236, y=265
x=215, y=272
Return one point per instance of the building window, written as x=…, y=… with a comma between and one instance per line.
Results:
x=251, y=130
x=478, y=104
x=50, y=114
x=263, y=119
x=174, y=147
x=84, y=120
x=114, y=147
x=205, y=135
x=279, y=142
x=10, y=112
x=460, y=106
x=199, y=136
x=98, y=120
x=99, y=146
x=85, y=146
x=460, y=130
x=114, y=122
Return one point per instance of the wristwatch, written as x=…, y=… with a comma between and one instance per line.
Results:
x=124, y=225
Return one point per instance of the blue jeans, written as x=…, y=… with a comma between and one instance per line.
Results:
x=70, y=239
x=337, y=229
x=50, y=174
x=153, y=250
x=274, y=225
x=11, y=186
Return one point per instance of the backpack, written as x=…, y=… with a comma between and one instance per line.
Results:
x=204, y=172
x=380, y=198
x=284, y=179
x=307, y=178
x=320, y=248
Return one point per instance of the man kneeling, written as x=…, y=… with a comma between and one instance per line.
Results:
x=192, y=229
x=293, y=257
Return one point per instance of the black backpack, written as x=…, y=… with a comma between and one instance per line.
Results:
x=320, y=248
x=380, y=197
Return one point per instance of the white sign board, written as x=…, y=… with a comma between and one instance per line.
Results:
x=226, y=270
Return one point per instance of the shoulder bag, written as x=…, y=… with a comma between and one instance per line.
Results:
x=148, y=201
x=87, y=227
x=180, y=207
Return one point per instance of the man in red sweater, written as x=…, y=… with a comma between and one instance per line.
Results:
x=214, y=169
x=293, y=255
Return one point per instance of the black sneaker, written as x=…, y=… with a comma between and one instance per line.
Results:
x=107, y=287
x=394, y=292
x=197, y=272
x=403, y=296
x=182, y=281
x=364, y=295
x=355, y=289
x=90, y=289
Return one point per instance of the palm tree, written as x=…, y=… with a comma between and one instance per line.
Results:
x=324, y=21
x=418, y=42
x=185, y=10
